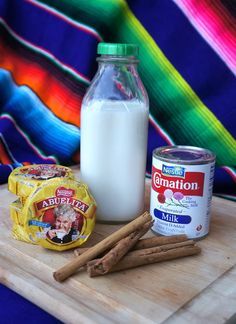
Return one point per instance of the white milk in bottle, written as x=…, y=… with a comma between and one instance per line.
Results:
x=114, y=128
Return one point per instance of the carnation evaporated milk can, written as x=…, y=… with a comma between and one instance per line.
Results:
x=182, y=181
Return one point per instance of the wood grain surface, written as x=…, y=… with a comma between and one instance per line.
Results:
x=199, y=289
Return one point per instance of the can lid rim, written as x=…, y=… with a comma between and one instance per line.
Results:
x=205, y=155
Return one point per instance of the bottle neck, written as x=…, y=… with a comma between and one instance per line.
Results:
x=117, y=60
x=117, y=79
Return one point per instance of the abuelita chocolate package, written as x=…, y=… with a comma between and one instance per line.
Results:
x=58, y=213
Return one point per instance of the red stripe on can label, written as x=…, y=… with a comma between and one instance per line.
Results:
x=190, y=184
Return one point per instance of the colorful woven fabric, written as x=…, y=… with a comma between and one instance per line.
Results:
x=187, y=63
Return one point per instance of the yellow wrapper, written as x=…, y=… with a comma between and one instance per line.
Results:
x=18, y=230
x=24, y=180
x=59, y=214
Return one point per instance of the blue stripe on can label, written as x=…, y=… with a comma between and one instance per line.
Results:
x=172, y=218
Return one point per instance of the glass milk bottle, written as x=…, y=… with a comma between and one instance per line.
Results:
x=114, y=128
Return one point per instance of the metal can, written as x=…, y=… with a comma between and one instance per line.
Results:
x=181, y=193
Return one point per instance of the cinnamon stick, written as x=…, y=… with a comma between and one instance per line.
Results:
x=104, y=264
x=161, y=248
x=131, y=260
x=159, y=240
x=146, y=243
x=71, y=267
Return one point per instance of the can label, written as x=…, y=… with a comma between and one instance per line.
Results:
x=181, y=198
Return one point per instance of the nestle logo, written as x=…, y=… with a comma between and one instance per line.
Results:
x=63, y=192
x=174, y=171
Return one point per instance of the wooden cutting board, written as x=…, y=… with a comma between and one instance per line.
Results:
x=200, y=289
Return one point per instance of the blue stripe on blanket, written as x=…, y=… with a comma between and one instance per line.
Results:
x=195, y=60
x=45, y=131
x=73, y=46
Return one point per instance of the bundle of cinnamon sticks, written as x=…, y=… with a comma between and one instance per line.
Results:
x=124, y=249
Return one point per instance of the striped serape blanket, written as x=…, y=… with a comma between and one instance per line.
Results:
x=187, y=63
